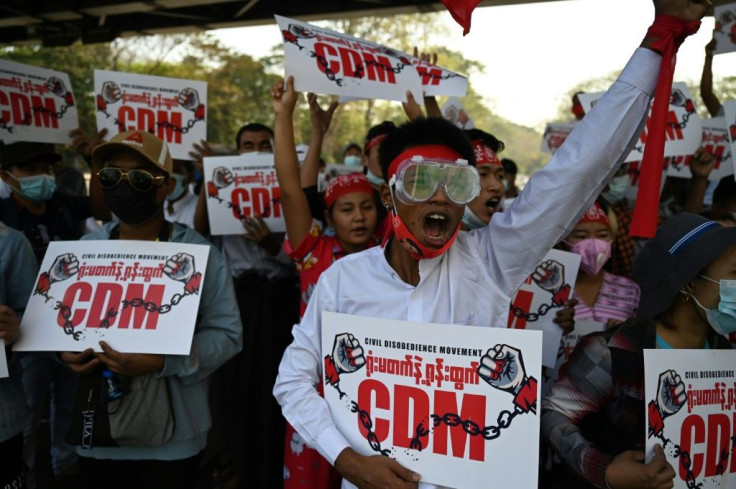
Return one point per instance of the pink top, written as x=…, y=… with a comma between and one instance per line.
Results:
x=618, y=299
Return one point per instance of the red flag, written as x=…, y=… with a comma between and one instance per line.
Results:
x=461, y=10
x=670, y=33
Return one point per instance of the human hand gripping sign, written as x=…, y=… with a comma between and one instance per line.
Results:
x=671, y=396
x=347, y=357
x=550, y=276
x=502, y=367
x=221, y=178
x=64, y=266
x=180, y=267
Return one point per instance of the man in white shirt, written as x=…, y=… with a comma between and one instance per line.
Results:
x=429, y=272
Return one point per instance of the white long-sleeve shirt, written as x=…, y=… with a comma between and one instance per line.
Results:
x=473, y=282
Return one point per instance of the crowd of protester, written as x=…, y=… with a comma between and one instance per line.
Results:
x=247, y=402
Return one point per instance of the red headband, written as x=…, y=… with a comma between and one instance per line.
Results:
x=596, y=214
x=371, y=143
x=346, y=184
x=428, y=151
x=484, y=155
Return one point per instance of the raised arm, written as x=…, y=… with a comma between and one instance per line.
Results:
x=321, y=120
x=293, y=201
x=706, y=82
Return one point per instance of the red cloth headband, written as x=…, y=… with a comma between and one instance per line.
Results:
x=346, y=184
x=596, y=214
x=371, y=143
x=670, y=32
x=484, y=155
x=428, y=151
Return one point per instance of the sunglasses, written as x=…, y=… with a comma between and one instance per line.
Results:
x=141, y=180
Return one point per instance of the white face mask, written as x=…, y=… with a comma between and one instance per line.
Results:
x=722, y=319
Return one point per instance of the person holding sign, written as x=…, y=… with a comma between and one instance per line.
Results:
x=594, y=414
x=349, y=208
x=136, y=178
x=429, y=271
x=17, y=275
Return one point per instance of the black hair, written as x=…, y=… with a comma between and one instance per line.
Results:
x=352, y=146
x=486, y=138
x=725, y=191
x=252, y=127
x=385, y=127
x=509, y=166
x=421, y=132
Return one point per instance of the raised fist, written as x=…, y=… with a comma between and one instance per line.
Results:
x=189, y=99
x=180, y=267
x=550, y=276
x=671, y=395
x=56, y=86
x=503, y=368
x=347, y=357
x=64, y=267
x=222, y=177
x=111, y=92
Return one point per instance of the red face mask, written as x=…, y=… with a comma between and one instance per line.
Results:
x=412, y=245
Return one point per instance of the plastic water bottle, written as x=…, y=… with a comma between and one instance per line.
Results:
x=114, y=387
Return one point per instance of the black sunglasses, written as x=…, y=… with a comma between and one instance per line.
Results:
x=141, y=180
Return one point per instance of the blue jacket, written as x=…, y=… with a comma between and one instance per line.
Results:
x=17, y=276
x=217, y=337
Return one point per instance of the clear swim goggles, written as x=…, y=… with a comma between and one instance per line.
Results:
x=417, y=179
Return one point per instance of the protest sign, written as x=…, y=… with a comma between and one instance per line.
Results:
x=541, y=294
x=332, y=171
x=690, y=400
x=724, y=31
x=554, y=135
x=715, y=142
x=328, y=62
x=454, y=112
x=456, y=404
x=729, y=109
x=171, y=108
x=36, y=104
x=3, y=363
x=567, y=345
x=683, y=130
x=138, y=296
x=240, y=187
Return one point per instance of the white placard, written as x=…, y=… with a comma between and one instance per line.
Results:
x=724, y=31
x=555, y=134
x=324, y=61
x=3, y=362
x=454, y=112
x=690, y=400
x=138, y=296
x=36, y=104
x=715, y=142
x=239, y=187
x=729, y=109
x=540, y=297
x=332, y=171
x=415, y=373
x=567, y=345
x=173, y=109
x=684, y=130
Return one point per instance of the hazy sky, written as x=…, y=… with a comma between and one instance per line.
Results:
x=535, y=53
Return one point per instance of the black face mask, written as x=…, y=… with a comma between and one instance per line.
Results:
x=130, y=205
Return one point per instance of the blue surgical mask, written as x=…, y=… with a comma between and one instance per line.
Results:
x=472, y=221
x=38, y=188
x=352, y=160
x=618, y=189
x=722, y=319
x=180, y=188
x=373, y=178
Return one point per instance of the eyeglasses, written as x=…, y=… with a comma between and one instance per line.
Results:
x=418, y=179
x=141, y=180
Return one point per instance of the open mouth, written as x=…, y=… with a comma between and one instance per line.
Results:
x=436, y=227
x=493, y=205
